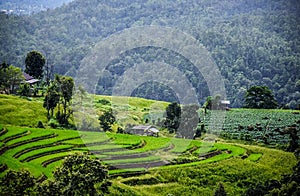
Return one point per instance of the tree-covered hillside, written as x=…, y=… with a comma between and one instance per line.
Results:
x=252, y=42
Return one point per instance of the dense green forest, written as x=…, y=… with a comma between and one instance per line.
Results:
x=252, y=42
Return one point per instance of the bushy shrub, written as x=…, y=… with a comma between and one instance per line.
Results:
x=24, y=90
x=104, y=101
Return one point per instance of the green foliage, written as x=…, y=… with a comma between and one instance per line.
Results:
x=24, y=89
x=292, y=131
x=235, y=174
x=260, y=97
x=260, y=42
x=288, y=185
x=104, y=101
x=173, y=115
x=60, y=92
x=10, y=78
x=220, y=191
x=51, y=99
x=34, y=64
x=80, y=174
x=53, y=123
x=66, y=88
x=17, y=183
x=107, y=119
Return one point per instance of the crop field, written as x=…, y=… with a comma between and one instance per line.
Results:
x=163, y=164
x=41, y=150
x=256, y=125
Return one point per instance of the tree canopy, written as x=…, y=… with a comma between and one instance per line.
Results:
x=252, y=42
x=260, y=97
x=10, y=78
x=58, y=94
x=107, y=119
x=17, y=183
x=34, y=64
x=81, y=175
x=173, y=117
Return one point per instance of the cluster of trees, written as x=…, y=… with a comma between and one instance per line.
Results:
x=183, y=120
x=78, y=175
x=152, y=89
x=59, y=95
x=253, y=43
x=260, y=97
x=10, y=78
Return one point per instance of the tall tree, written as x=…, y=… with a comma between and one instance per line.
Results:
x=51, y=99
x=65, y=85
x=173, y=114
x=60, y=93
x=260, y=97
x=34, y=64
x=107, y=120
x=67, y=89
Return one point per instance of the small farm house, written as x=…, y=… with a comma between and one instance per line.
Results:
x=148, y=130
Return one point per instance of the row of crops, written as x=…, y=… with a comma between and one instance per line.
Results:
x=265, y=126
x=41, y=150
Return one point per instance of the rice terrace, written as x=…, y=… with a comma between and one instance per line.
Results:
x=150, y=97
x=141, y=164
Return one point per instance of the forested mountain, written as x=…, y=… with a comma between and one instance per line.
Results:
x=253, y=42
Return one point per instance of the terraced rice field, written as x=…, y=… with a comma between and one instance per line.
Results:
x=41, y=150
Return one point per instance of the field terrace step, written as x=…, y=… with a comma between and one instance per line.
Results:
x=49, y=161
x=127, y=156
x=9, y=138
x=98, y=143
x=5, y=148
x=3, y=131
x=145, y=165
x=97, y=152
x=30, y=158
x=59, y=142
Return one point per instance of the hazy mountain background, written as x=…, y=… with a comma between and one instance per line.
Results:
x=30, y=6
x=253, y=42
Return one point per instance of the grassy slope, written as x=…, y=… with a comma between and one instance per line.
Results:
x=200, y=178
x=21, y=112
